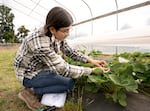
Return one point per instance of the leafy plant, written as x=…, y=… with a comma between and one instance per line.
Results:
x=141, y=66
x=121, y=78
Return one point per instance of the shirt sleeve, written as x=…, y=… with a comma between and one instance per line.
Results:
x=42, y=47
x=72, y=53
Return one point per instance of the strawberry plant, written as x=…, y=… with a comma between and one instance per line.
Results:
x=116, y=82
x=141, y=67
x=121, y=78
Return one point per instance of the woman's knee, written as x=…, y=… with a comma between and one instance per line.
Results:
x=70, y=83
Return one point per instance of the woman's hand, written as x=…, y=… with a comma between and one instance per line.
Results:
x=99, y=63
x=104, y=69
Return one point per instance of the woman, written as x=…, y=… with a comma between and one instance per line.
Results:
x=39, y=64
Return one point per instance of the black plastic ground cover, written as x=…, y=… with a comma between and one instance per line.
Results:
x=97, y=102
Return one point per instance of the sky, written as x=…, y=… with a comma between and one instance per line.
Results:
x=32, y=14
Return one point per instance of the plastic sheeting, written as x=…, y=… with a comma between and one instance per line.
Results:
x=31, y=13
x=128, y=27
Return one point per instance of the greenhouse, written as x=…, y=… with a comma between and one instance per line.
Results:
x=105, y=51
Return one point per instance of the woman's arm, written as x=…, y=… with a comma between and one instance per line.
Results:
x=83, y=58
x=72, y=53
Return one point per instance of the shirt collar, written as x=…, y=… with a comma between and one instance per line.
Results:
x=53, y=38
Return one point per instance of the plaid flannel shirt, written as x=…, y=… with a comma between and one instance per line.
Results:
x=37, y=52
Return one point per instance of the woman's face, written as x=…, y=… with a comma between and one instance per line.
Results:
x=62, y=33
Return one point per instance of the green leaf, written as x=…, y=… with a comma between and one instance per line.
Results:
x=139, y=67
x=119, y=96
x=97, y=79
x=91, y=87
x=122, y=98
x=126, y=81
x=97, y=71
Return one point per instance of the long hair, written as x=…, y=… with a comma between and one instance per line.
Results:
x=58, y=18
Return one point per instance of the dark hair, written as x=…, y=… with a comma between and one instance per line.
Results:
x=58, y=18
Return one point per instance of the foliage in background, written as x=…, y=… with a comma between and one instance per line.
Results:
x=141, y=68
x=7, y=33
x=6, y=24
x=22, y=33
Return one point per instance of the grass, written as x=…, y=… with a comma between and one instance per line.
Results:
x=10, y=86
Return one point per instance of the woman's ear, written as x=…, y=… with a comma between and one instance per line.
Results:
x=52, y=30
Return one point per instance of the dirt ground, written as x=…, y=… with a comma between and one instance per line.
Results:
x=10, y=46
x=97, y=102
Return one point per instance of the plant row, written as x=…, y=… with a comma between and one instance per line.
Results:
x=127, y=72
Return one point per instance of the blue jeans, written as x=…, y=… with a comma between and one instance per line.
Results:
x=49, y=82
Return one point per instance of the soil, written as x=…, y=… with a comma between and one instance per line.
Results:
x=97, y=102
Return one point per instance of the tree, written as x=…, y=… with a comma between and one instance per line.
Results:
x=6, y=24
x=22, y=32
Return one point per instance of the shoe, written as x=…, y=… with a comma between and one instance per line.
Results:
x=28, y=96
x=50, y=108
